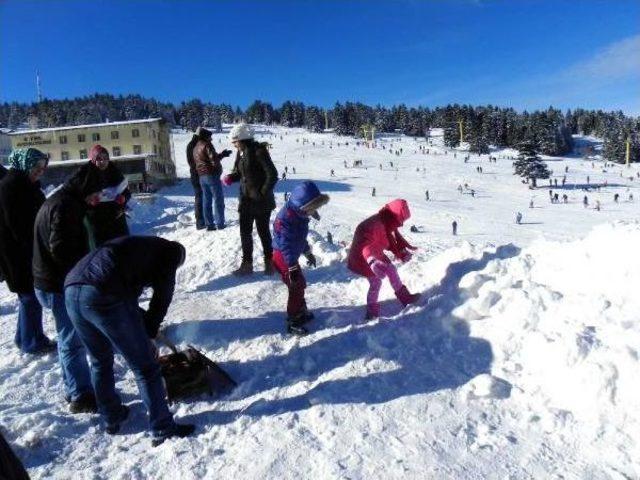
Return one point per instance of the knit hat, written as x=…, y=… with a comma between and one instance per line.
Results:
x=24, y=159
x=241, y=131
x=203, y=133
x=96, y=151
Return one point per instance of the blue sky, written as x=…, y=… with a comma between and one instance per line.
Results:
x=521, y=53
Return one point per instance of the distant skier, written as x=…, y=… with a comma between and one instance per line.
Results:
x=616, y=197
x=373, y=191
x=284, y=175
x=333, y=173
x=588, y=180
x=454, y=228
x=290, y=230
x=426, y=194
x=294, y=170
x=566, y=169
x=367, y=258
x=530, y=203
x=565, y=198
x=473, y=193
x=518, y=218
x=585, y=201
x=598, y=205
x=329, y=238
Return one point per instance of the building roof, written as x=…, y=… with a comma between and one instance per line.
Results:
x=74, y=127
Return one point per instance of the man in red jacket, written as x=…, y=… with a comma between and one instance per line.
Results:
x=367, y=258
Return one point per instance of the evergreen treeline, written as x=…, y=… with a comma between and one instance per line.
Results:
x=548, y=130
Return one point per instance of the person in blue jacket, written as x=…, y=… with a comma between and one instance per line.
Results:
x=101, y=295
x=290, y=229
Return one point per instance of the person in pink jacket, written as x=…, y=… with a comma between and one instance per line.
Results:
x=367, y=258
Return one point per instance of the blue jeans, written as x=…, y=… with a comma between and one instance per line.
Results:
x=73, y=357
x=212, y=193
x=106, y=322
x=29, y=335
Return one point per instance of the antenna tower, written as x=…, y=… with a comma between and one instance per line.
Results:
x=38, y=86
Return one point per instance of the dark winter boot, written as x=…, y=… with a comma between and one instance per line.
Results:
x=268, y=266
x=114, y=427
x=246, y=268
x=178, y=430
x=85, y=403
x=295, y=324
x=405, y=297
x=373, y=311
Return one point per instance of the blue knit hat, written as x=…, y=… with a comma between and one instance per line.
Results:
x=24, y=159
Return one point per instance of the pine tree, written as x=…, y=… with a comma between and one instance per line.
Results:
x=529, y=165
x=451, y=136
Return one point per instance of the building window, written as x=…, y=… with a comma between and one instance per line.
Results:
x=64, y=156
x=115, y=135
x=63, y=139
x=83, y=153
x=81, y=138
x=95, y=137
x=155, y=149
x=116, y=151
x=135, y=133
x=137, y=149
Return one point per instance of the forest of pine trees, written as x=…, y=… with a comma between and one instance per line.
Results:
x=548, y=130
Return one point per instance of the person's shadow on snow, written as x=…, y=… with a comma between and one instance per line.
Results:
x=425, y=350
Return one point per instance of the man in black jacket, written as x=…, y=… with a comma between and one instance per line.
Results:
x=60, y=240
x=101, y=295
x=195, y=181
x=257, y=175
x=20, y=199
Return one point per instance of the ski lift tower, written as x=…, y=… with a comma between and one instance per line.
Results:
x=368, y=133
x=628, y=153
x=460, y=122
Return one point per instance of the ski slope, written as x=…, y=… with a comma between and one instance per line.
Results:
x=521, y=361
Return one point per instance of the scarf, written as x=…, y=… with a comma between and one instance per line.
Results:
x=24, y=159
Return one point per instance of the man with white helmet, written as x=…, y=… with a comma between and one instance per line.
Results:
x=257, y=175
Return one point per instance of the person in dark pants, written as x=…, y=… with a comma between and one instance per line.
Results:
x=195, y=182
x=101, y=294
x=20, y=200
x=257, y=175
x=290, y=230
x=105, y=219
x=60, y=240
x=208, y=165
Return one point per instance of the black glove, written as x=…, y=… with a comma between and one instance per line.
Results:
x=151, y=325
x=311, y=259
x=225, y=153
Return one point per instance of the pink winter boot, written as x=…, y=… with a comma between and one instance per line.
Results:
x=405, y=297
x=373, y=311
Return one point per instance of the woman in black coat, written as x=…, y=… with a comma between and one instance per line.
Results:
x=20, y=200
x=107, y=219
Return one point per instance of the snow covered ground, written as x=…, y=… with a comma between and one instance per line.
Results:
x=521, y=362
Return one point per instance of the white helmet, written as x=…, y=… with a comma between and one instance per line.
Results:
x=241, y=131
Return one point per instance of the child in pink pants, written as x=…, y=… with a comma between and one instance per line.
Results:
x=367, y=258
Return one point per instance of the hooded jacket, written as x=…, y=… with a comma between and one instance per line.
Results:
x=20, y=200
x=257, y=175
x=60, y=238
x=371, y=237
x=291, y=225
x=125, y=266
